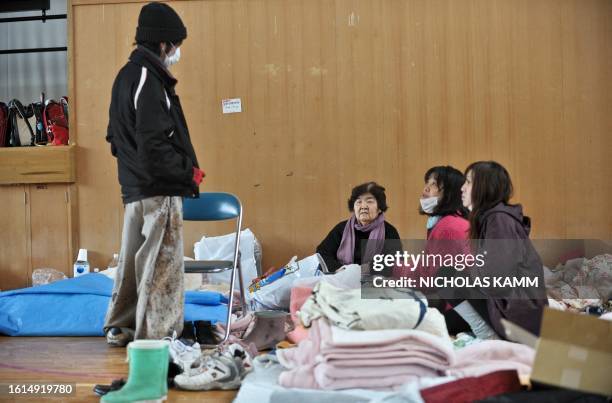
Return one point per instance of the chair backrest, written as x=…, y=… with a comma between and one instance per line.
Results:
x=211, y=206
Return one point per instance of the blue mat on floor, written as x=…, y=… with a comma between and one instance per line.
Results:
x=77, y=306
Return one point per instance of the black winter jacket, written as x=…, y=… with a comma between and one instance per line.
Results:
x=148, y=132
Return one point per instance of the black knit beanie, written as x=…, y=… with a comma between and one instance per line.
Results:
x=158, y=22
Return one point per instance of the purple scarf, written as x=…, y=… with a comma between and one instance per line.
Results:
x=347, y=244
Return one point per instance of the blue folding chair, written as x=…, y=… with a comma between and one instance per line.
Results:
x=218, y=206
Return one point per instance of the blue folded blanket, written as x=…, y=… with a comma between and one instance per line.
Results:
x=77, y=307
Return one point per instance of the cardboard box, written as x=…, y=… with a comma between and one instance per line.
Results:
x=573, y=351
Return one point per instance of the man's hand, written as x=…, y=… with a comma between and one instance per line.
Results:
x=198, y=175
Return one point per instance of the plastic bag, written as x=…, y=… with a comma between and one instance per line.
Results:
x=346, y=277
x=221, y=248
x=46, y=276
x=258, y=256
x=276, y=295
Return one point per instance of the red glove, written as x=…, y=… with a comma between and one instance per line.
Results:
x=198, y=175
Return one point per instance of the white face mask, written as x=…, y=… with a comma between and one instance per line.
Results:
x=428, y=204
x=170, y=60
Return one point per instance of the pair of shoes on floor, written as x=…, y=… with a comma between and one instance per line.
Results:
x=223, y=369
x=119, y=337
x=186, y=357
x=200, y=331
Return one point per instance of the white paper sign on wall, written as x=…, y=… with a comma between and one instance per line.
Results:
x=233, y=105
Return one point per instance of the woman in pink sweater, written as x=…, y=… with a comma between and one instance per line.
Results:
x=447, y=224
x=447, y=234
x=441, y=202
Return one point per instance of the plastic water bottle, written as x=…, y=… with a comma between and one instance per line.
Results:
x=81, y=266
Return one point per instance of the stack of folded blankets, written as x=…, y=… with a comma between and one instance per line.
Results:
x=360, y=343
x=335, y=358
x=346, y=309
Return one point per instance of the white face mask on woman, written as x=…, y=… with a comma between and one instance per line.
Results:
x=170, y=60
x=428, y=204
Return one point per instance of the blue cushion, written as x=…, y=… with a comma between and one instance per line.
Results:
x=77, y=307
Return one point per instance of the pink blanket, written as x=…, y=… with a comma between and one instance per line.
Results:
x=334, y=358
x=493, y=355
x=299, y=295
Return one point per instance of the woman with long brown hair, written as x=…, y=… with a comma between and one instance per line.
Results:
x=501, y=231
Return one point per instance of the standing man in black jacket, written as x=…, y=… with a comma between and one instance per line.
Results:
x=157, y=166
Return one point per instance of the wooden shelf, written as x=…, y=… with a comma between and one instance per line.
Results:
x=47, y=164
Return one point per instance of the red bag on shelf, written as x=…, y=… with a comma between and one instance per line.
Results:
x=55, y=120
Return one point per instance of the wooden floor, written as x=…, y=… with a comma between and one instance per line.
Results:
x=84, y=361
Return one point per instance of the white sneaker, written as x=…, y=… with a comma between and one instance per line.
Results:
x=217, y=371
x=188, y=358
x=241, y=358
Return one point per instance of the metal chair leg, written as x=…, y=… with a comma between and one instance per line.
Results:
x=230, y=304
x=243, y=303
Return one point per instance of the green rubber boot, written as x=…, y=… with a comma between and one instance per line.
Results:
x=147, y=379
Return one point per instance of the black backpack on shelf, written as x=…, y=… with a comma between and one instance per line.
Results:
x=40, y=135
x=22, y=124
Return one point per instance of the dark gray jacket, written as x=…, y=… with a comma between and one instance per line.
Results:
x=504, y=234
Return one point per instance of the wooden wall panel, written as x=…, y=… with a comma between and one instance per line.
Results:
x=15, y=269
x=50, y=225
x=338, y=92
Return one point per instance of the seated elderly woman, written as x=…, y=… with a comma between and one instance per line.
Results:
x=343, y=244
